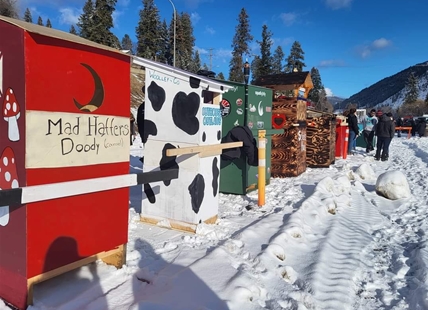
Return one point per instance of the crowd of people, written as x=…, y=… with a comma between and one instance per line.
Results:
x=383, y=127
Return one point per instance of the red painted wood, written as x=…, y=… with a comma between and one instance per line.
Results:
x=13, y=286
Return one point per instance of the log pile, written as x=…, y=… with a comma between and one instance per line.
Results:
x=321, y=141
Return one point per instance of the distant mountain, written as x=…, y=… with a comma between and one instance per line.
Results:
x=335, y=101
x=391, y=90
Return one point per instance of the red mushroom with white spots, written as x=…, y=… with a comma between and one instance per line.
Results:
x=8, y=179
x=11, y=113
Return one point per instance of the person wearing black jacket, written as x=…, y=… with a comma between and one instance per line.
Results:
x=385, y=130
x=353, y=131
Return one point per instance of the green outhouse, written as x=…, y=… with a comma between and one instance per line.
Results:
x=237, y=177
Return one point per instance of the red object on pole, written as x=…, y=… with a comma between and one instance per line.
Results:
x=345, y=145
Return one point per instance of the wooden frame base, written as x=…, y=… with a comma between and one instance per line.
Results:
x=176, y=225
x=115, y=257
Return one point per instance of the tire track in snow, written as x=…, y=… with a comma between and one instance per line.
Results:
x=339, y=256
x=399, y=252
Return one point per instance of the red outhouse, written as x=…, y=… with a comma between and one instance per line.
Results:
x=65, y=117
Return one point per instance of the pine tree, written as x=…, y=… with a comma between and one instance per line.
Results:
x=148, y=30
x=185, y=42
x=127, y=43
x=240, y=46
x=264, y=63
x=170, y=55
x=255, y=68
x=296, y=58
x=73, y=30
x=412, y=92
x=220, y=76
x=314, y=93
x=48, y=23
x=163, y=52
x=8, y=8
x=103, y=22
x=205, y=67
x=277, y=59
x=196, y=63
x=40, y=21
x=27, y=16
x=86, y=23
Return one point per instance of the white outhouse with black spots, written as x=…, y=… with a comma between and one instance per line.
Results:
x=181, y=110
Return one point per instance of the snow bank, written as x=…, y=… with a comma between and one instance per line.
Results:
x=393, y=185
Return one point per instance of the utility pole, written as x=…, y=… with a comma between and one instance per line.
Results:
x=211, y=58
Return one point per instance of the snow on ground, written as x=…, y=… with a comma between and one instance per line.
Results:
x=324, y=240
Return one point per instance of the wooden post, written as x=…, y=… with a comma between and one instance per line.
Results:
x=262, y=168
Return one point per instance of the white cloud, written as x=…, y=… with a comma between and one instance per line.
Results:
x=115, y=17
x=338, y=4
x=328, y=91
x=195, y=17
x=381, y=43
x=69, y=16
x=209, y=30
x=288, y=18
x=123, y=3
x=283, y=41
x=366, y=50
x=332, y=63
x=201, y=51
x=193, y=4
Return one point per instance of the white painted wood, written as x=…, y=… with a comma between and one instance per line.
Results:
x=72, y=188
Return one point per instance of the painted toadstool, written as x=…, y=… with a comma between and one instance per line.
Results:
x=8, y=179
x=11, y=113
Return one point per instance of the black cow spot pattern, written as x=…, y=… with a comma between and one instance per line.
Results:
x=184, y=110
x=219, y=135
x=168, y=162
x=194, y=82
x=156, y=96
x=149, y=129
x=204, y=137
x=149, y=193
x=196, y=191
x=216, y=174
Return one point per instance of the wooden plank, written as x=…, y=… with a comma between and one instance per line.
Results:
x=176, y=225
x=202, y=148
x=115, y=257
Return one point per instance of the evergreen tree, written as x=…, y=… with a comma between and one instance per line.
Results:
x=196, y=63
x=314, y=93
x=103, y=22
x=426, y=99
x=85, y=23
x=127, y=43
x=8, y=8
x=205, y=67
x=264, y=63
x=240, y=46
x=48, y=23
x=412, y=92
x=277, y=59
x=164, y=49
x=220, y=76
x=27, y=16
x=170, y=52
x=255, y=67
x=296, y=58
x=185, y=42
x=40, y=21
x=148, y=30
x=73, y=30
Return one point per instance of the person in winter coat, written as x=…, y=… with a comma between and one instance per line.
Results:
x=132, y=127
x=399, y=123
x=353, y=131
x=385, y=130
x=422, y=126
x=369, y=123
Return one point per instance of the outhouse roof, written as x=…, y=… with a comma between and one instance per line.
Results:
x=58, y=34
x=285, y=81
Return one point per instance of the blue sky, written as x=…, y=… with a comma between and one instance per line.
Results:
x=353, y=43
